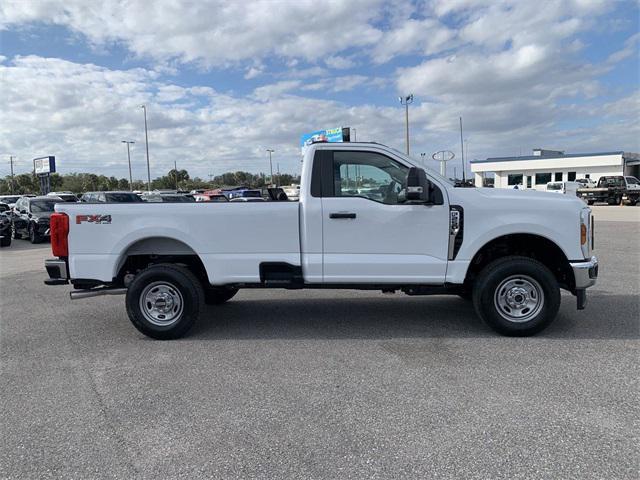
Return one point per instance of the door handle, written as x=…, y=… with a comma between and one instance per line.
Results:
x=342, y=215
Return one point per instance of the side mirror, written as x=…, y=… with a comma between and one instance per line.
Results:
x=417, y=186
x=421, y=190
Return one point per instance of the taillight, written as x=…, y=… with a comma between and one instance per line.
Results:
x=59, y=227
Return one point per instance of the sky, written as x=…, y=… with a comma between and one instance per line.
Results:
x=225, y=80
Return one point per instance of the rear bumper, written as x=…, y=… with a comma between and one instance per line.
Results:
x=57, y=271
x=585, y=273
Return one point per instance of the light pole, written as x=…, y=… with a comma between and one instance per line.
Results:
x=406, y=101
x=11, y=157
x=129, y=158
x=146, y=140
x=462, y=149
x=270, y=150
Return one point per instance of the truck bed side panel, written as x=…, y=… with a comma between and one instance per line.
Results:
x=231, y=239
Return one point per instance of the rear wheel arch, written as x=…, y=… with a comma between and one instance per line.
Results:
x=143, y=253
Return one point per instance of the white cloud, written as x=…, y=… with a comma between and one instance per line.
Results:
x=211, y=33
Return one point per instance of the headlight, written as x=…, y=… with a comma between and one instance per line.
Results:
x=585, y=231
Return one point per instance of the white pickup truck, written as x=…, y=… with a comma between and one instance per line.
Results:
x=368, y=218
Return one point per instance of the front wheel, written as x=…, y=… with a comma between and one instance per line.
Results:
x=516, y=296
x=5, y=241
x=164, y=301
x=34, y=237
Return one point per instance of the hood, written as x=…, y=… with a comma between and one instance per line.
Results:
x=522, y=198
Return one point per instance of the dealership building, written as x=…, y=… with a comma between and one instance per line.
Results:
x=535, y=171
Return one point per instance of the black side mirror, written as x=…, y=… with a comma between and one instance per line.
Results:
x=421, y=190
x=417, y=186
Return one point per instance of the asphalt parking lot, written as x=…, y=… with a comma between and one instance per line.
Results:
x=322, y=384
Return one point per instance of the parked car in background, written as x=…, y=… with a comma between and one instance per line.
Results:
x=65, y=196
x=292, y=191
x=566, y=188
x=174, y=198
x=248, y=199
x=5, y=226
x=211, y=196
x=243, y=193
x=10, y=199
x=111, y=197
x=614, y=190
x=586, y=183
x=31, y=217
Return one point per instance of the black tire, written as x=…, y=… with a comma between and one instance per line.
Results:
x=218, y=295
x=5, y=241
x=632, y=202
x=33, y=234
x=536, y=280
x=617, y=200
x=590, y=202
x=180, y=284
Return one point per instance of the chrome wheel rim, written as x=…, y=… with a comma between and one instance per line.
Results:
x=519, y=298
x=161, y=303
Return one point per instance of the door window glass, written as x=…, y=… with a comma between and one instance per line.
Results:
x=369, y=175
x=543, y=178
x=514, y=179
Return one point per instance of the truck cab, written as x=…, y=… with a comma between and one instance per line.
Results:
x=368, y=217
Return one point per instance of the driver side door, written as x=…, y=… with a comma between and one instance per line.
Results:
x=370, y=235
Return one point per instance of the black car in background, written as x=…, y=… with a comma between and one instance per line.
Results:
x=31, y=217
x=111, y=197
x=5, y=225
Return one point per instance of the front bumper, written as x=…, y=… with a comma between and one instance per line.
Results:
x=57, y=271
x=585, y=273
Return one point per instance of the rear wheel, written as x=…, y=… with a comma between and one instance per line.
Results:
x=590, y=202
x=617, y=200
x=218, y=295
x=5, y=241
x=164, y=301
x=516, y=296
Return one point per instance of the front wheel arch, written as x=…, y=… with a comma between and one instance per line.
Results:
x=527, y=245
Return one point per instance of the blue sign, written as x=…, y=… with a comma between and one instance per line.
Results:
x=331, y=135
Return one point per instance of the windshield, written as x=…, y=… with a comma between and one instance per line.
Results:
x=554, y=186
x=633, y=181
x=42, y=206
x=123, y=198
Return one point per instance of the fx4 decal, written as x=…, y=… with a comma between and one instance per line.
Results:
x=93, y=219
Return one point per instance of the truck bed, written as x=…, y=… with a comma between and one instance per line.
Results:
x=232, y=239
